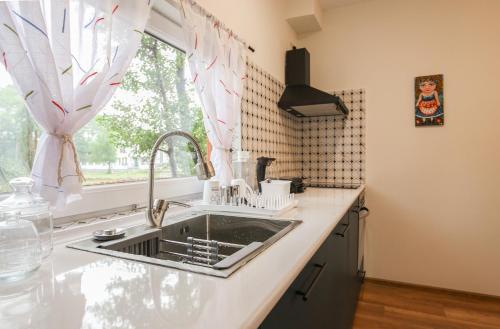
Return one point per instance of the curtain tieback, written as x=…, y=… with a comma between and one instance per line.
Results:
x=68, y=139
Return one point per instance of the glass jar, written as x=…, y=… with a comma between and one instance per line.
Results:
x=20, y=248
x=245, y=168
x=31, y=207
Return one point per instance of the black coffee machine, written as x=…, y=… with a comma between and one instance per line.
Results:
x=297, y=185
x=262, y=164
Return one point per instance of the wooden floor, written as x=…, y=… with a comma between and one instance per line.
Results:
x=384, y=305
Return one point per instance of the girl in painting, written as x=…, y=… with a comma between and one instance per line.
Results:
x=428, y=104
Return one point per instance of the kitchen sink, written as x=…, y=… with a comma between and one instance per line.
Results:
x=212, y=244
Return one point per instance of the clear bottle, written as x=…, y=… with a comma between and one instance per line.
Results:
x=244, y=167
x=31, y=207
x=20, y=248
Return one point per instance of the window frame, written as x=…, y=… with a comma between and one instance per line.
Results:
x=163, y=24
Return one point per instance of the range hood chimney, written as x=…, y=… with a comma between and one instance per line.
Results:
x=299, y=98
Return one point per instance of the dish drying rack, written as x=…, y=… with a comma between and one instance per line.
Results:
x=255, y=203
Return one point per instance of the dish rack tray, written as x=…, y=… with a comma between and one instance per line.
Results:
x=244, y=209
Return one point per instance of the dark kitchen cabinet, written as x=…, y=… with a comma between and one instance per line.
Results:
x=324, y=294
x=353, y=279
x=349, y=280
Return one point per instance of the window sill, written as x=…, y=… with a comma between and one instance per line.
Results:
x=102, y=197
x=78, y=231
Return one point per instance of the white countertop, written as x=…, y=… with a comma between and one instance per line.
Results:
x=78, y=289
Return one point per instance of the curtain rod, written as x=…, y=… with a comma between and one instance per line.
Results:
x=203, y=11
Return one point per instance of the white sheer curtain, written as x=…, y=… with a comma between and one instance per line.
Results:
x=67, y=57
x=217, y=64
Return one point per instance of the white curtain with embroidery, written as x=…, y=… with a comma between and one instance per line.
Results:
x=67, y=57
x=217, y=62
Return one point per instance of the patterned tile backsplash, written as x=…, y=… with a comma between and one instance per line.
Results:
x=333, y=148
x=265, y=129
x=327, y=151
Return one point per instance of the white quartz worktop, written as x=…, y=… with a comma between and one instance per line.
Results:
x=78, y=289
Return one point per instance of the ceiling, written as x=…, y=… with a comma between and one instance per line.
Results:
x=327, y=4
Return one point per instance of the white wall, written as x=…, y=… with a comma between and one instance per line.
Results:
x=433, y=192
x=262, y=24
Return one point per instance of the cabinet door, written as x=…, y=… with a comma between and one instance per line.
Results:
x=346, y=284
x=306, y=304
x=353, y=241
x=338, y=274
x=353, y=281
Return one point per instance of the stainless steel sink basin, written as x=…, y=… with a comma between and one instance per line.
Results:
x=212, y=244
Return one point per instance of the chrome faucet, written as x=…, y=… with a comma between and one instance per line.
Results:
x=156, y=209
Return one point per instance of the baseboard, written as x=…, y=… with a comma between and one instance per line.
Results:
x=430, y=288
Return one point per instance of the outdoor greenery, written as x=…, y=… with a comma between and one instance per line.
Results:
x=99, y=177
x=155, y=97
x=18, y=137
x=162, y=101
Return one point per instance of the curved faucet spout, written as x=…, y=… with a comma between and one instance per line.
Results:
x=155, y=211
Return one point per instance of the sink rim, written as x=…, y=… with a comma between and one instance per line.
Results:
x=222, y=273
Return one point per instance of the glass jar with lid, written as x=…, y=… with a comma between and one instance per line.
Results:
x=20, y=248
x=31, y=207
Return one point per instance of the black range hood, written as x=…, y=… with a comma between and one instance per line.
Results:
x=299, y=98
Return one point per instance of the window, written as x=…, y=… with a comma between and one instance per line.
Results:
x=155, y=96
x=18, y=133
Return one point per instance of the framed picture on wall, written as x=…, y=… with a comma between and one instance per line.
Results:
x=429, y=109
